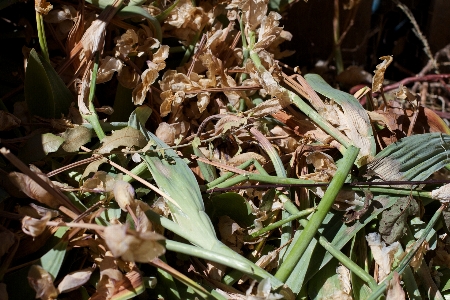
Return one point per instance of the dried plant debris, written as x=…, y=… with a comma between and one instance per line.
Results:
x=164, y=150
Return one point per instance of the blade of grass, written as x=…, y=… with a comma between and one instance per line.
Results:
x=41, y=35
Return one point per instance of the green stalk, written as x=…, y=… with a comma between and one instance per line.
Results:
x=261, y=178
x=241, y=264
x=41, y=35
x=281, y=222
x=226, y=176
x=317, y=218
x=92, y=117
x=168, y=282
x=395, y=191
x=405, y=261
x=336, y=38
x=190, y=48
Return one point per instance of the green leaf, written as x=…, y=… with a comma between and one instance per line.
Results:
x=123, y=105
x=74, y=138
x=139, y=117
x=326, y=284
x=45, y=93
x=127, y=136
x=233, y=205
x=39, y=146
x=53, y=259
x=412, y=158
x=208, y=171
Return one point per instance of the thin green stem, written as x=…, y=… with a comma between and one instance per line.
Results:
x=41, y=35
x=317, y=218
x=92, y=117
x=405, y=261
x=226, y=176
x=281, y=222
x=261, y=178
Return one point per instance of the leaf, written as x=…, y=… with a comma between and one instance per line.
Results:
x=42, y=282
x=139, y=117
x=393, y=221
x=45, y=93
x=208, y=171
x=412, y=158
x=378, y=78
x=127, y=136
x=39, y=146
x=354, y=122
x=53, y=259
x=328, y=285
x=74, y=280
x=232, y=205
x=76, y=137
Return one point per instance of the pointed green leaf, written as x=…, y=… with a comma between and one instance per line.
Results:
x=412, y=158
x=53, y=259
x=45, y=93
x=39, y=146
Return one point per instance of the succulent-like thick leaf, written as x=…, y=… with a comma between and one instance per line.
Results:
x=174, y=177
x=45, y=93
x=39, y=146
x=358, y=127
x=412, y=158
x=127, y=136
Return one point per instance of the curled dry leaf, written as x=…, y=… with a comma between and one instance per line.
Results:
x=42, y=282
x=143, y=223
x=32, y=189
x=124, y=194
x=262, y=291
x=35, y=227
x=140, y=247
x=100, y=181
x=74, y=280
x=8, y=121
x=108, y=66
x=324, y=167
x=378, y=78
x=231, y=233
x=383, y=255
x=243, y=157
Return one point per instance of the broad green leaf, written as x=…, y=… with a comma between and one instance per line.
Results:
x=326, y=284
x=45, y=93
x=74, y=138
x=127, y=136
x=354, y=119
x=412, y=158
x=53, y=259
x=39, y=146
x=233, y=205
x=139, y=117
x=358, y=254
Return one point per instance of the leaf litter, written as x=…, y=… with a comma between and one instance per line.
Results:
x=136, y=203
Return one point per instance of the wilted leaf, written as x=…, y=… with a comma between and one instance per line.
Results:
x=265, y=108
x=74, y=280
x=123, y=193
x=395, y=290
x=127, y=136
x=138, y=247
x=42, y=282
x=383, y=255
x=393, y=222
x=32, y=189
x=74, y=138
x=378, y=78
x=35, y=227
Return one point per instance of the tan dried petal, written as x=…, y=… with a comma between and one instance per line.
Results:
x=383, y=255
x=94, y=38
x=42, y=282
x=269, y=30
x=42, y=6
x=378, y=78
x=32, y=189
x=442, y=194
x=35, y=227
x=141, y=247
x=166, y=133
x=107, y=67
x=202, y=101
x=126, y=42
x=124, y=194
x=143, y=223
x=128, y=77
